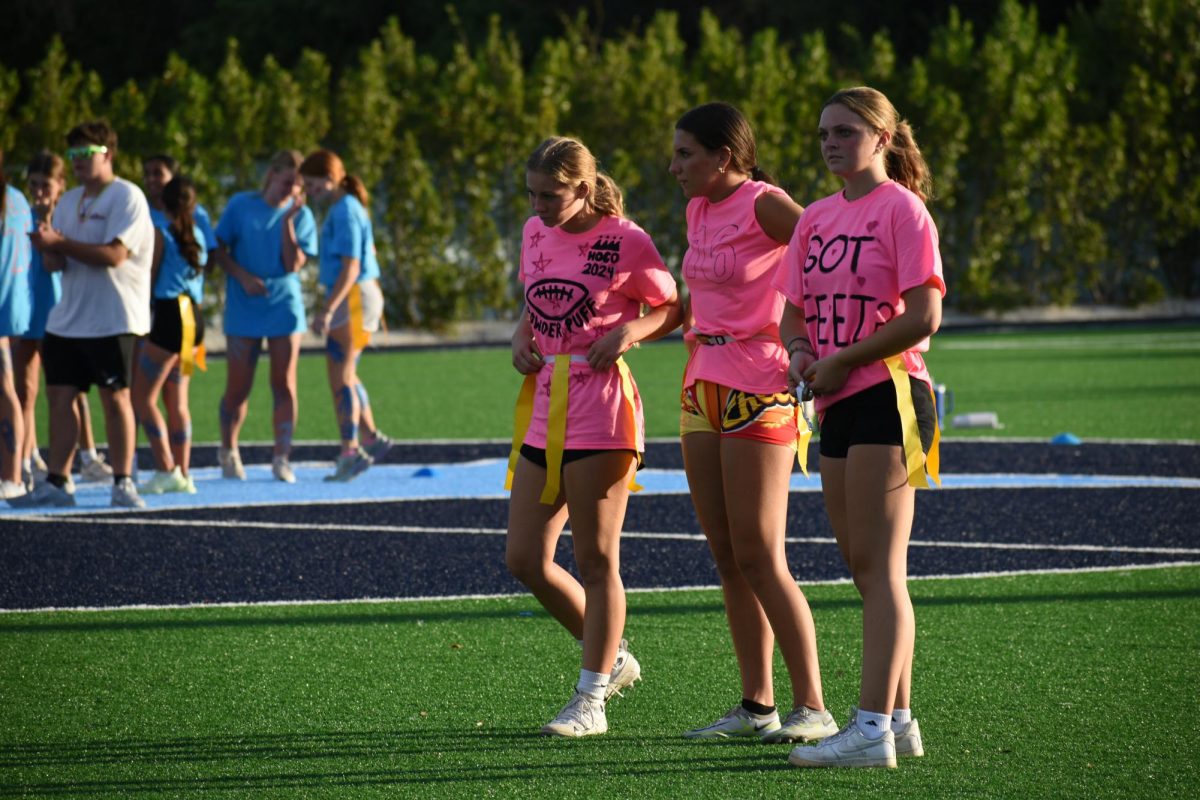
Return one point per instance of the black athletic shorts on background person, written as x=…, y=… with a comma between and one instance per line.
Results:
x=871, y=417
x=106, y=362
x=538, y=455
x=167, y=329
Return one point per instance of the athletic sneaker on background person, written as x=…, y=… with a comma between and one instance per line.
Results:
x=862, y=360
x=739, y=425
x=352, y=307
x=102, y=240
x=264, y=238
x=578, y=439
x=168, y=356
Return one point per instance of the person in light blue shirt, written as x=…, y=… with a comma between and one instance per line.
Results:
x=157, y=172
x=174, y=345
x=16, y=223
x=45, y=178
x=352, y=308
x=264, y=238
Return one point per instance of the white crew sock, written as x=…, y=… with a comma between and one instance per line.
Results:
x=87, y=456
x=873, y=725
x=592, y=684
x=900, y=718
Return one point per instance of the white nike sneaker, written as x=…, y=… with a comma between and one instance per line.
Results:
x=163, y=482
x=583, y=716
x=804, y=725
x=125, y=494
x=738, y=722
x=96, y=470
x=908, y=740
x=625, y=671
x=847, y=748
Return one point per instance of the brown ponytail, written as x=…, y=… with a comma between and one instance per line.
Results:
x=903, y=160
x=179, y=199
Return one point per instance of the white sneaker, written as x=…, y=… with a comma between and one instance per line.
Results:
x=190, y=487
x=125, y=494
x=281, y=468
x=847, y=748
x=231, y=464
x=46, y=494
x=625, y=671
x=908, y=741
x=96, y=470
x=738, y=722
x=583, y=716
x=10, y=490
x=162, y=482
x=349, y=466
x=804, y=725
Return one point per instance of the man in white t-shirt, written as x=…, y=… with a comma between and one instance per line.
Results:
x=102, y=239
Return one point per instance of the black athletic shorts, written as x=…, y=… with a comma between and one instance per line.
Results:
x=106, y=361
x=167, y=329
x=538, y=456
x=871, y=417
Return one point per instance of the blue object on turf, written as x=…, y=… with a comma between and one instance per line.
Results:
x=425, y=472
x=1066, y=438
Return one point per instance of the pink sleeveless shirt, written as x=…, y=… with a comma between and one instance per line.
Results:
x=729, y=267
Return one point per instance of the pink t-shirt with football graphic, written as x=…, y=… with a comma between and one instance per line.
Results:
x=578, y=287
x=729, y=268
x=847, y=266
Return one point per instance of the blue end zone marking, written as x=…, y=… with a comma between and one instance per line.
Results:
x=484, y=479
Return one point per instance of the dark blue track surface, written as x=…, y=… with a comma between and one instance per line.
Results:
x=321, y=552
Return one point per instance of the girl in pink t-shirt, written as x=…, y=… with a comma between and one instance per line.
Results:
x=587, y=272
x=738, y=426
x=863, y=280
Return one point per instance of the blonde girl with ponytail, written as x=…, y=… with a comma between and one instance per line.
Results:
x=863, y=281
x=587, y=272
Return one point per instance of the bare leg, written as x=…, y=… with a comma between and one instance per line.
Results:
x=341, y=364
x=597, y=490
x=179, y=417
x=241, y=360
x=285, y=355
x=154, y=367
x=122, y=429
x=64, y=427
x=533, y=531
x=12, y=417
x=28, y=362
x=753, y=641
x=873, y=529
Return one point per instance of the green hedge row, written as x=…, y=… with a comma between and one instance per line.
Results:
x=1066, y=163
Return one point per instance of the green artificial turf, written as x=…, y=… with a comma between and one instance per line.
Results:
x=1115, y=383
x=1076, y=685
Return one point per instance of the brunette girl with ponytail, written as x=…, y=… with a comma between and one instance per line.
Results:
x=169, y=354
x=352, y=306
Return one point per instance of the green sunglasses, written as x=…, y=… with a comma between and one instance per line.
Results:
x=86, y=151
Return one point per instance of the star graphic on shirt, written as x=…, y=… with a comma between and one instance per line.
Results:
x=583, y=249
x=541, y=263
x=579, y=378
x=536, y=238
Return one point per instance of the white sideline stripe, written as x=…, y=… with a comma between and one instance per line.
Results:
x=521, y=595
x=690, y=537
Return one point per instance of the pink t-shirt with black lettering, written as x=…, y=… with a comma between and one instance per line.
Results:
x=847, y=266
x=729, y=268
x=578, y=287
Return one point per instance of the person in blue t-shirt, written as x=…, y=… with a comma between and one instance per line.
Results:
x=16, y=223
x=352, y=308
x=264, y=238
x=157, y=172
x=45, y=179
x=169, y=352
